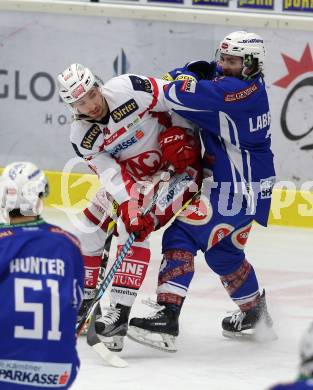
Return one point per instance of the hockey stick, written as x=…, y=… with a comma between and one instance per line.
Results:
x=115, y=266
x=93, y=339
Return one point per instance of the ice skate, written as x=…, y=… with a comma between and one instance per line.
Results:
x=159, y=330
x=112, y=326
x=254, y=324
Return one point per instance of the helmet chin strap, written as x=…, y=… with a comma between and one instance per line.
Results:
x=249, y=76
x=248, y=64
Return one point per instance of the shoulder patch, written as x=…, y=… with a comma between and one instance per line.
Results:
x=167, y=77
x=240, y=95
x=124, y=110
x=140, y=84
x=188, y=86
x=90, y=137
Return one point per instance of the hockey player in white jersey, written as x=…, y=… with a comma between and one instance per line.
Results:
x=118, y=128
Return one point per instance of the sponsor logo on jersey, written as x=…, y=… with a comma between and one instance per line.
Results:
x=140, y=84
x=199, y=212
x=188, y=86
x=115, y=136
x=90, y=137
x=139, y=134
x=34, y=374
x=123, y=146
x=239, y=237
x=240, y=95
x=184, y=76
x=124, y=110
x=167, y=77
x=133, y=123
x=144, y=164
x=127, y=143
x=219, y=232
x=266, y=187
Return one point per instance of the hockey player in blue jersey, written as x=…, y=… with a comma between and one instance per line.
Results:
x=305, y=380
x=41, y=282
x=227, y=99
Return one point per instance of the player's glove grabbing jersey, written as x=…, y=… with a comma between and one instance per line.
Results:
x=128, y=134
x=235, y=121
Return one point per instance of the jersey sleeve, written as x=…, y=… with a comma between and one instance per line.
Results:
x=198, y=101
x=149, y=92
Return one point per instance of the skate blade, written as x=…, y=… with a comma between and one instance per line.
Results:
x=259, y=334
x=160, y=341
x=109, y=357
x=114, y=343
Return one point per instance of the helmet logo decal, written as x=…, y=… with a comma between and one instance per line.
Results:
x=224, y=45
x=67, y=76
x=254, y=40
x=78, y=91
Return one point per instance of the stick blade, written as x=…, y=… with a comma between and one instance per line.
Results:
x=110, y=357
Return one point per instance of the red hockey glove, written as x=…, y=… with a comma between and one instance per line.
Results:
x=135, y=221
x=178, y=148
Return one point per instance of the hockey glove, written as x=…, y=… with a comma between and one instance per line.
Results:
x=178, y=148
x=194, y=71
x=135, y=221
x=202, y=69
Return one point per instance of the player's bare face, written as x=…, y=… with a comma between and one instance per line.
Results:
x=231, y=65
x=92, y=104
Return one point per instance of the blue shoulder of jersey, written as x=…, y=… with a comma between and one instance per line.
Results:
x=8, y=230
x=298, y=385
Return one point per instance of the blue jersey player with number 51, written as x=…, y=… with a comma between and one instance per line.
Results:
x=41, y=282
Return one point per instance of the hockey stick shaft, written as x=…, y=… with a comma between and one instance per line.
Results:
x=93, y=339
x=107, y=247
x=115, y=266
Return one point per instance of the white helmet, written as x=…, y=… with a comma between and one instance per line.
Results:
x=306, y=352
x=75, y=82
x=249, y=46
x=21, y=186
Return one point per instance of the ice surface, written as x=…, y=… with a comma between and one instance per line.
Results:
x=205, y=359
